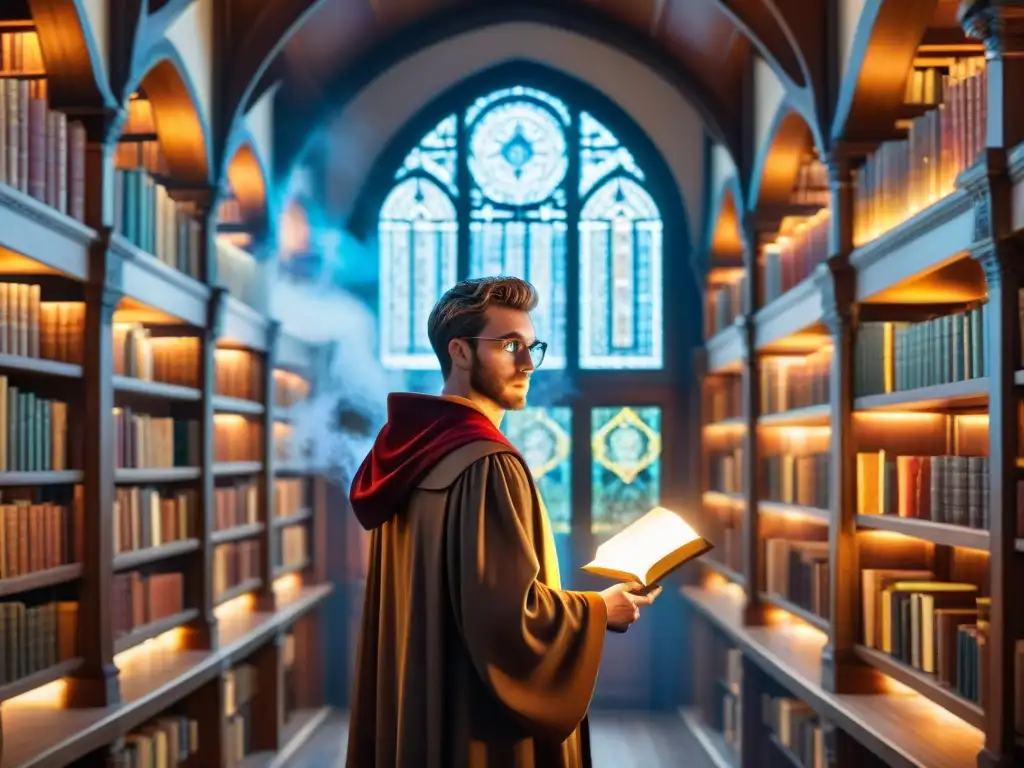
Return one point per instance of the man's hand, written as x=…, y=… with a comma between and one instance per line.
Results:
x=623, y=606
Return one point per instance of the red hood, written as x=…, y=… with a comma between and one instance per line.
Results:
x=421, y=430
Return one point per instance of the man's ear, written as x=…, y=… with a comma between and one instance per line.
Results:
x=461, y=354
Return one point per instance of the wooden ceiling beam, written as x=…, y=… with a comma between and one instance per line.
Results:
x=251, y=34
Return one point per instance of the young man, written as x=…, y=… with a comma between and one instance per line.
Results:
x=470, y=653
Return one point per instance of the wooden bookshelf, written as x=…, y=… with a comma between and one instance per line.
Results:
x=112, y=330
x=884, y=478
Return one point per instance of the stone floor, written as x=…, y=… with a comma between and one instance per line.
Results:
x=620, y=740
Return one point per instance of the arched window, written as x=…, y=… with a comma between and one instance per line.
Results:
x=520, y=182
x=518, y=169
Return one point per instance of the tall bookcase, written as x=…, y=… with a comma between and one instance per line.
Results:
x=861, y=439
x=159, y=568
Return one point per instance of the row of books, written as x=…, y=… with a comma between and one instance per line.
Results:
x=235, y=505
x=792, y=479
x=801, y=246
x=240, y=688
x=724, y=304
x=31, y=327
x=726, y=471
x=723, y=399
x=234, y=563
x=36, y=637
x=35, y=537
x=289, y=496
x=731, y=549
x=238, y=374
x=799, y=572
x=42, y=154
x=168, y=359
x=294, y=549
x=289, y=388
x=33, y=431
x=169, y=740
x=907, y=175
x=139, y=599
x=732, y=708
x=788, y=383
x=147, y=216
x=797, y=729
x=893, y=357
x=236, y=438
x=938, y=627
x=943, y=489
x=152, y=442
x=143, y=517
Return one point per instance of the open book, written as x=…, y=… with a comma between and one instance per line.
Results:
x=649, y=549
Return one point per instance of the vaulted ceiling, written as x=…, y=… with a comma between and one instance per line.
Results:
x=704, y=47
x=841, y=64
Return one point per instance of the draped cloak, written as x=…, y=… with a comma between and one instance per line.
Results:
x=470, y=654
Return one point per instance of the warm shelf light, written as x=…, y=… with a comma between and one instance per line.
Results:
x=242, y=604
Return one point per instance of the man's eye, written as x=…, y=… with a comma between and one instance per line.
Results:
x=512, y=346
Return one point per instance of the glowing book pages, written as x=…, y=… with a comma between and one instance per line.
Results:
x=649, y=549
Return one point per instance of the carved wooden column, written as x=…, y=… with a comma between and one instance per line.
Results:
x=1000, y=25
x=754, y=611
x=840, y=672
x=1002, y=272
x=1000, y=257
x=95, y=682
x=202, y=632
x=265, y=596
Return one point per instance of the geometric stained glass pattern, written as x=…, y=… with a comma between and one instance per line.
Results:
x=542, y=435
x=517, y=143
x=518, y=162
x=601, y=154
x=625, y=466
x=620, y=278
x=417, y=235
x=435, y=155
x=517, y=154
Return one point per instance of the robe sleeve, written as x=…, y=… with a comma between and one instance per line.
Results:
x=537, y=649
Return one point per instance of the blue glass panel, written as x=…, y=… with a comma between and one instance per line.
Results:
x=625, y=446
x=543, y=436
x=435, y=155
x=418, y=263
x=520, y=92
x=620, y=264
x=534, y=251
x=517, y=153
x=601, y=154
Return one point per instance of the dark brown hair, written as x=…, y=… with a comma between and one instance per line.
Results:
x=461, y=311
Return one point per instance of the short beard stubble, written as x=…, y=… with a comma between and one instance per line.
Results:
x=490, y=385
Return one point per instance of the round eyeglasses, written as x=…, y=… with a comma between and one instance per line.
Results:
x=537, y=350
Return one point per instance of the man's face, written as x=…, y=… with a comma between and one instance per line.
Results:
x=498, y=374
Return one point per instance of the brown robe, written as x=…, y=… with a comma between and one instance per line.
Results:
x=470, y=655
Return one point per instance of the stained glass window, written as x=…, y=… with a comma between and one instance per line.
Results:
x=543, y=436
x=620, y=278
x=625, y=447
x=435, y=155
x=518, y=143
x=518, y=163
x=601, y=154
x=418, y=250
